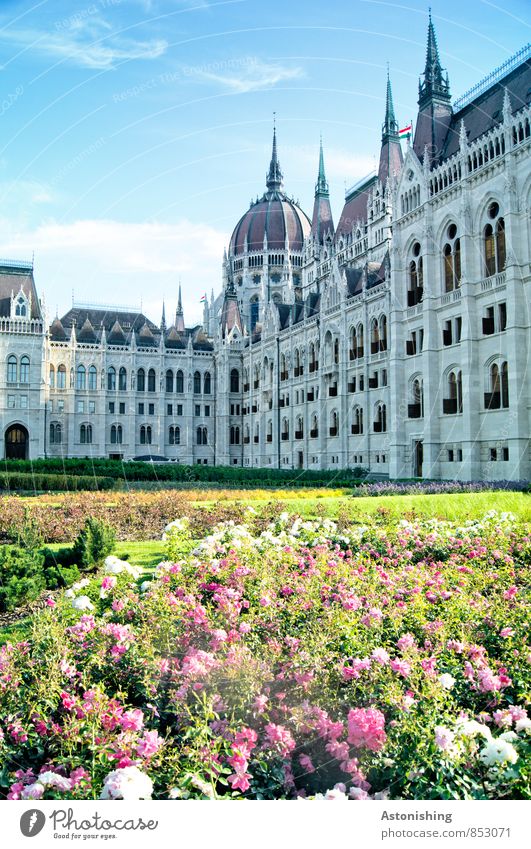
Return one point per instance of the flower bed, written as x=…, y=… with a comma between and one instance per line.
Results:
x=299, y=660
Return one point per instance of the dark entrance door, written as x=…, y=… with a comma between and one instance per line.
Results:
x=418, y=458
x=16, y=440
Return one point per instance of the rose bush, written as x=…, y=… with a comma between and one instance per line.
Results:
x=297, y=660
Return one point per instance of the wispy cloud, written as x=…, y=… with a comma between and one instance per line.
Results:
x=86, y=43
x=133, y=261
x=250, y=75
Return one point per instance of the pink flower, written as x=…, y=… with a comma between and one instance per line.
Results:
x=402, y=667
x=149, y=744
x=239, y=781
x=510, y=593
x=68, y=701
x=406, y=641
x=366, y=728
x=506, y=632
x=279, y=738
x=132, y=720
x=380, y=656
x=306, y=763
x=50, y=602
x=356, y=666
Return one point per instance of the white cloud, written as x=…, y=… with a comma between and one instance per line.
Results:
x=115, y=262
x=76, y=43
x=249, y=75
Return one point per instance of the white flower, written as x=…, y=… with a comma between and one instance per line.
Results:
x=509, y=736
x=471, y=728
x=498, y=752
x=84, y=582
x=128, y=783
x=70, y=593
x=446, y=680
x=82, y=602
x=113, y=566
x=144, y=586
x=524, y=725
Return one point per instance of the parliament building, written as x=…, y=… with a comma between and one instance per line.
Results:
x=397, y=339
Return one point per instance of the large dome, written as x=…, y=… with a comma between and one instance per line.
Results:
x=275, y=216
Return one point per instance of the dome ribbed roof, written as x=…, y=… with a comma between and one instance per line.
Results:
x=274, y=216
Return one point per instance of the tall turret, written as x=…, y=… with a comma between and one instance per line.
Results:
x=179, y=315
x=274, y=176
x=391, y=151
x=322, y=220
x=435, y=108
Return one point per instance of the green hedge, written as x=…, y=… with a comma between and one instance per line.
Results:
x=129, y=471
x=28, y=482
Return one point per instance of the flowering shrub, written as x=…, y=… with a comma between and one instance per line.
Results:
x=298, y=660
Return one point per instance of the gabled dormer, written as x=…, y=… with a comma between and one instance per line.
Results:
x=20, y=305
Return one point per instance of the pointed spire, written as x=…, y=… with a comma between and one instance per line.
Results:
x=321, y=186
x=390, y=125
x=163, y=318
x=179, y=314
x=391, y=151
x=230, y=313
x=274, y=177
x=435, y=84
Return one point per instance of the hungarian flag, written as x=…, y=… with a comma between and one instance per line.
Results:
x=406, y=131
x=203, y=299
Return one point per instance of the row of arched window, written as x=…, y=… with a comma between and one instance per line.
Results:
x=146, y=434
x=116, y=379
x=18, y=372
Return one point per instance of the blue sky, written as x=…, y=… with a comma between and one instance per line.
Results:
x=135, y=132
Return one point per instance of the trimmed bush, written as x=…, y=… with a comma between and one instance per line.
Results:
x=94, y=543
x=29, y=482
x=21, y=576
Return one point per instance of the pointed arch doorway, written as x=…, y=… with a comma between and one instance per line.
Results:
x=16, y=442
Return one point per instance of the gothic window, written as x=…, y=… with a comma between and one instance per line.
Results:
x=255, y=311
x=92, y=378
x=207, y=383
x=141, y=380
x=81, y=378
x=197, y=385
x=498, y=395
x=52, y=377
x=359, y=334
x=151, y=380
x=416, y=277
x=375, y=337
x=452, y=260
x=357, y=423
x=85, y=434
x=145, y=435
x=334, y=430
x=11, y=369
x=380, y=419
x=169, y=384
x=179, y=382
x=122, y=379
x=175, y=435
x=202, y=436
x=454, y=402
x=494, y=241
x=234, y=380
x=111, y=379
x=61, y=377
x=56, y=433
x=21, y=309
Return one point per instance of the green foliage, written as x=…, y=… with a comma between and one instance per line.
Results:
x=26, y=481
x=94, y=543
x=21, y=576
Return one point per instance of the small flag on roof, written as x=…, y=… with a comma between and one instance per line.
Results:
x=406, y=131
x=203, y=299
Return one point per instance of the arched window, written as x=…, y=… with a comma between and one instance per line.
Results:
x=85, y=434
x=380, y=421
x=56, y=433
x=255, y=311
x=494, y=241
x=314, y=430
x=498, y=396
x=246, y=435
x=92, y=378
x=21, y=310
x=141, y=380
x=416, y=407
x=334, y=430
x=61, y=377
x=145, y=435
x=11, y=369
x=24, y=369
x=454, y=402
x=285, y=430
x=52, y=377
x=114, y=439
x=197, y=384
x=169, y=384
x=175, y=435
x=256, y=382
x=207, y=383
x=312, y=358
x=353, y=344
x=151, y=380
x=416, y=277
x=504, y=385
x=283, y=367
x=122, y=379
x=81, y=378
x=359, y=334
x=202, y=436
x=382, y=332
x=375, y=337
x=179, y=382
x=357, y=423
x=234, y=380
x=452, y=259
x=111, y=379
x=299, y=432
x=336, y=351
